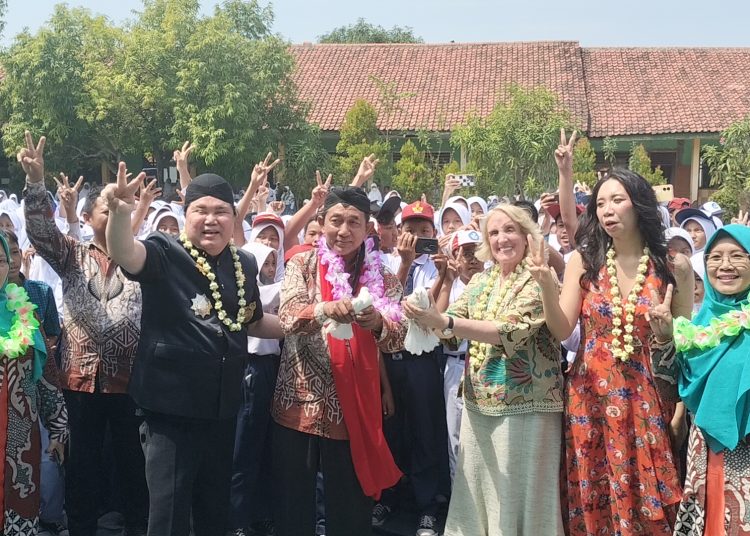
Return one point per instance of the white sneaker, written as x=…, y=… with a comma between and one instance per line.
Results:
x=427, y=526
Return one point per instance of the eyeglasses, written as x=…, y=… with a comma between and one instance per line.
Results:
x=736, y=259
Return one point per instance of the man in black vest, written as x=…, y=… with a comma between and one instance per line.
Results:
x=200, y=302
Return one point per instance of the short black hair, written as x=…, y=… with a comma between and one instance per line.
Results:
x=94, y=193
x=529, y=207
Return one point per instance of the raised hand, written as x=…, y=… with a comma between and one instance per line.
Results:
x=659, y=315
x=540, y=270
x=181, y=156
x=149, y=191
x=366, y=170
x=319, y=193
x=564, y=151
x=278, y=207
x=452, y=183
x=742, y=218
x=31, y=158
x=261, y=171
x=68, y=194
x=121, y=195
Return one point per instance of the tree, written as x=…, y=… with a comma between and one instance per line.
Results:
x=360, y=137
x=609, y=149
x=729, y=167
x=512, y=149
x=584, y=162
x=305, y=154
x=640, y=162
x=364, y=32
x=412, y=176
x=3, y=10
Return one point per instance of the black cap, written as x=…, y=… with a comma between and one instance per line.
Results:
x=388, y=210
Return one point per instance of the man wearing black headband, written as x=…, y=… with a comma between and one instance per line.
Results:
x=200, y=302
x=327, y=404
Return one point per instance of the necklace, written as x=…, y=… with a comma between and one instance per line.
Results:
x=688, y=336
x=487, y=309
x=372, y=278
x=201, y=263
x=623, y=350
x=21, y=333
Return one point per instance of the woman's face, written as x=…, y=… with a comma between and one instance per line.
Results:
x=507, y=242
x=269, y=237
x=15, y=263
x=476, y=210
x=677, y=245
x=614, y=209
x=451, y=221
x=6, y=224
x=700, y=290
x=4, y=268
x=268, y=270
x=168, y=224
x=697, y=233
x=728, y=267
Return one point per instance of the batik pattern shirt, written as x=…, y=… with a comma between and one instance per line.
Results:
x=305, y=397
x=102, y=308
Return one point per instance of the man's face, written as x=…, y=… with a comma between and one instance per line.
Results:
x=419, y=227
x=344, y=228
x=388, y=233
x=562, y=234
x=98, y=218
x=209, y=224
x=312, y=234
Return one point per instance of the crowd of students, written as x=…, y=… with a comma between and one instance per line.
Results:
x=248, y=371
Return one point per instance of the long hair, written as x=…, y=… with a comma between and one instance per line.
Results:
x=520, y=216
x=593, y=241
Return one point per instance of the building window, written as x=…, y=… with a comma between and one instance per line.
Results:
x=704, y=181
x=442, y=158
x=667, y=160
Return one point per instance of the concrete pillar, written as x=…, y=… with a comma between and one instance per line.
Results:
x=695, y=169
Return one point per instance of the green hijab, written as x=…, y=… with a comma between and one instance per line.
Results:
x=6, y=321
x=715, y=383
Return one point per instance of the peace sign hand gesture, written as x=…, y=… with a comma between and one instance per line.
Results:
x=742, y=218
x=320, y=192
x=180, y=156
x=121, y=195
x=540, y=270
x=68, y=194
x=659, y=315
x=31, y=158
x=564, y=151
x=149, y=191
x=261, y=171
x=366, y=170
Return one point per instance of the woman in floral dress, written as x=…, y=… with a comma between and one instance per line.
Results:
x=29, y=389
x=621, y=474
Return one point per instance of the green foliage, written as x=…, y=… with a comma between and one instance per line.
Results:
x=364, y=32
x=305, y=155
x=640, y=162
x=512, y=150
x=412, y=176
x=729, y=166
x=360, y=137
x=101, y=92
x=3, y=11
x=584, y=162
x=609, y=149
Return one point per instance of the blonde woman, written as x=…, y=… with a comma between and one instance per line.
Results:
x=507, y=479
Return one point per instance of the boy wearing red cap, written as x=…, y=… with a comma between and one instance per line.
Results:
x=419, y=447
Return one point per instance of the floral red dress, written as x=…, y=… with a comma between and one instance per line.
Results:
x=621, y=473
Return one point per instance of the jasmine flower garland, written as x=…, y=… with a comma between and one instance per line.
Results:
x=24, y=326
x=371, y=277
x=623, y=350
x=201, y=263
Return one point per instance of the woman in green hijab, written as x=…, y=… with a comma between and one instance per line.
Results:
x=29, y=389
x=712, y=373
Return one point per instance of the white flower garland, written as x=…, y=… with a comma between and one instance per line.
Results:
x=487, y=310
x=623, y=350
x=203, y=267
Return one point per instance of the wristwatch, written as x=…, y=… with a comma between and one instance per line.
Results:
x=448, y=332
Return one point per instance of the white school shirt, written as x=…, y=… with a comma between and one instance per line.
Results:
x=425, y=273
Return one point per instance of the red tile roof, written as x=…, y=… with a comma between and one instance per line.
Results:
x=610, y=91
x=666, y=90
x=448, y=80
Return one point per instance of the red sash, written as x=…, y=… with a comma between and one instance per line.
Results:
x=356, y=373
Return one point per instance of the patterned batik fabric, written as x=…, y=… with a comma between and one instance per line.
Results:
x=691, y=514
x=522, y=373
x=620, y=469
x=102, y=308
x=23, y=402
x=305, y=398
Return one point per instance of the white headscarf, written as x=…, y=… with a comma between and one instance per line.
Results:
x=269, y=297
x=280, y=253
x=11, y=209
x=708, y=228
x=461, y=210
x=479, y=201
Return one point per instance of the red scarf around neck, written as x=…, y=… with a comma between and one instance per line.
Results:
x=356, y=373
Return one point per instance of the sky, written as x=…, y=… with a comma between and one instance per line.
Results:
x=602, y=23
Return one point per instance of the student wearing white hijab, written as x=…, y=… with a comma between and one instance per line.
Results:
x=477, y=206
x=262, y=231
x=452, y=217
x=250, y=507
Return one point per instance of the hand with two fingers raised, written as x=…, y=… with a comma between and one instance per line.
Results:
x=659, y=315
x=120, y=196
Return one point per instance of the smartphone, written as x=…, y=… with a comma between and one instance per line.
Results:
x=664, y=193
x=467, y=180
x=150, y=173
x=426, y=245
